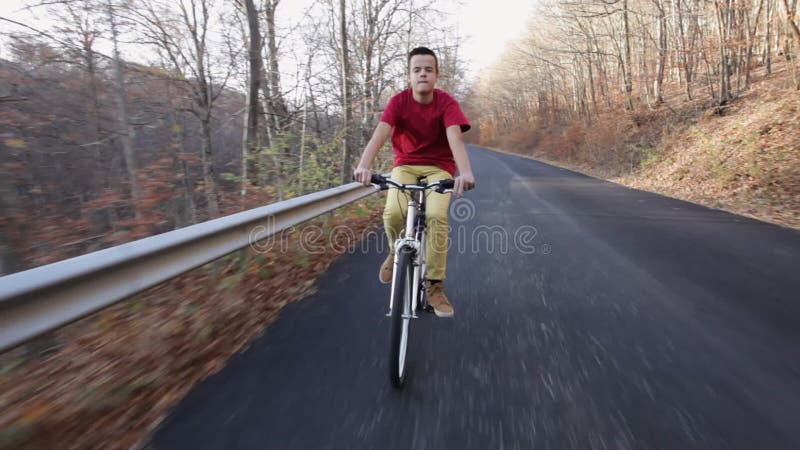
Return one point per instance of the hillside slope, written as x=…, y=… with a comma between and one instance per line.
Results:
x=746, y=161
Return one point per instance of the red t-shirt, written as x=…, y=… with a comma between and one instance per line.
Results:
x=419, y=131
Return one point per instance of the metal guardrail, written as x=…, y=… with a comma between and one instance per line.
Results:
x=39, y=300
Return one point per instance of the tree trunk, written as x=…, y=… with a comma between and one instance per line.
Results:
x=188, y=188
x=94, y=103
x=751, y=33
x=301, y=164
x=250, y=135
x=278, y=111
x=10, y=260
x=203, y=99
x=346, y=106
x=709, y=72
x=178, y=140
x=683, y=51
x=207, y=155
x=269, y=115
x=692, y=60
x=590, y=77
x=644, y=70
x=627, y=63
x=723, y=18
x=127, y=132
x=790, y=13
x=768, y=36
x=313, y=106
x=662, y=52
x=369, y=45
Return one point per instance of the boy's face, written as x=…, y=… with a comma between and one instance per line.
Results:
x=422, y=73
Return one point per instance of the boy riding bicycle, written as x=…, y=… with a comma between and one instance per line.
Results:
x=426, y=126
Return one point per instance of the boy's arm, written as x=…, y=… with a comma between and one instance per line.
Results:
x=465, y=179
x=379, y=137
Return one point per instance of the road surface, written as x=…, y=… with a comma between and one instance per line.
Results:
x=588, y=316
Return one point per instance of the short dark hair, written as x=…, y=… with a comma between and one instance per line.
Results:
x=423, y=51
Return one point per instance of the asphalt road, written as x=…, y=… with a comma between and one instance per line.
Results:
x=611, y=319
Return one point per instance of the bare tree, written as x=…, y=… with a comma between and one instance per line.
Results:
x=180, y=34
x=686, y=44
x=723, y=9
x=275, y=104
x=373, y=26
x=127, y=132
x=795, y=30
x=751, y=32
x=577, y=47
x=78, y=29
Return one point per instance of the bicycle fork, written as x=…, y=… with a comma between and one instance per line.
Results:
x=409, y=240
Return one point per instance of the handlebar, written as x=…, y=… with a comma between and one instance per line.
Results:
x=384, y=183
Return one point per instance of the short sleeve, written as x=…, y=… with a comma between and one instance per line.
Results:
x=390, y=114
x=453, y=115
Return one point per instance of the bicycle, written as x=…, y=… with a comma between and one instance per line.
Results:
x=408, y=280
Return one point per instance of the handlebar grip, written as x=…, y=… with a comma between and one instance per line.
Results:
x=447, y=184
x=377, y=179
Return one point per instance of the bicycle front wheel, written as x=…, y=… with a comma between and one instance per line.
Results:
x=401, y=316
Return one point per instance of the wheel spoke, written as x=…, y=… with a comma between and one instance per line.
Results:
x=401, y=316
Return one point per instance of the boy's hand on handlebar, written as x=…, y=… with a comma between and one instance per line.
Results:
x=463, y=183
x=362, y=175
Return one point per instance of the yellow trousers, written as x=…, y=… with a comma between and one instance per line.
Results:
x=436, y=208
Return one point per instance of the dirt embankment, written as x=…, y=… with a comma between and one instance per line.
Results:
x=746, y=161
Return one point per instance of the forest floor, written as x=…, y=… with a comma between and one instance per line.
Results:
x=106, y=381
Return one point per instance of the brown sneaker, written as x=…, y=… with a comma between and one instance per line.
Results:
x=437, y=299
x=387, y=269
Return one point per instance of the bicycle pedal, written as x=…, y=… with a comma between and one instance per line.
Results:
x=405, y=316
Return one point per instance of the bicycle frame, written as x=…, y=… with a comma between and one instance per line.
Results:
x=414, y=238
x=410, y=256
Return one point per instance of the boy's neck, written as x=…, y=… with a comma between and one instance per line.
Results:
x=425, y=99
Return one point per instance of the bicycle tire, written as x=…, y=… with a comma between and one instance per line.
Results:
x=422, y=295
x=401, y=306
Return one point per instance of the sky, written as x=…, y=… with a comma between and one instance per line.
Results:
x=486, y=25
x=489, y=25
